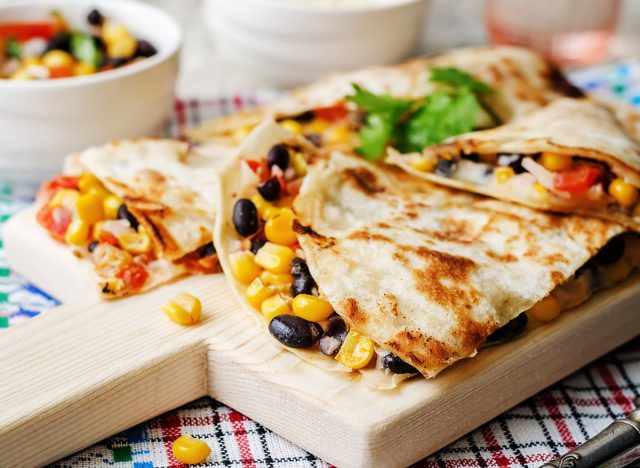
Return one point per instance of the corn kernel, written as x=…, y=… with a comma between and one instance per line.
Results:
x=244, y=267
x=503, y=174
x=65, y=198
x=257, y=292
x=100, y=191
x=275, y=258
x=311, y=308
x=356, y=351
x=270, y=212
x=541, y=190
x=83, y=69
x=546, y=310
x=110, y=206
x=337, y=135
x=555, y=161
x=120, y=42
x=184, y=309
x=624, y=193
x=261, y=205
x=190, y=450
x=318, y=126
x=21, y=75
x=423, y=164
x=274, y=306
x=136, y=243
x=279, y=228
x=88, y=181
x=77, y=232
x=292, y=126
x=89, y=208
x=96, y=230
x=57, y=59
x=276, y=278
x=31, y=61
x=299, y=164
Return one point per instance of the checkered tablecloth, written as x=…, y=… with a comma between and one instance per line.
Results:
x=538, y=429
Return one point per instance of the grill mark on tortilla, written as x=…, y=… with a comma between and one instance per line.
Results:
x=364, y=179
x=367, y=235
x=559, y=82
x=388, y=304
x=353, y=311
x=505, y=258
x=320, y=240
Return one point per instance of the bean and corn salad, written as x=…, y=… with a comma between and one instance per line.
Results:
x=51, y=49
x=81, y=212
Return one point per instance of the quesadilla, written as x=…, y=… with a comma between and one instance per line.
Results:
x=524, y=81
x=570, y=156
x=367, y=269
x=140, y=211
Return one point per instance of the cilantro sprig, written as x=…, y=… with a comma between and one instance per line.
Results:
x=411, y=125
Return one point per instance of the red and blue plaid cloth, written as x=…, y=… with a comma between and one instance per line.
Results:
x=537, y=430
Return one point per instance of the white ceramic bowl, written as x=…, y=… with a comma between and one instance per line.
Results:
x=290, y=42
x=43, y=121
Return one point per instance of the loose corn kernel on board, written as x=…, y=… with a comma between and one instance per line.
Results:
x=89, y=369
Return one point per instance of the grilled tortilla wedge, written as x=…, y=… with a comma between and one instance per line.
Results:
x=426, y=272
x=571, y=156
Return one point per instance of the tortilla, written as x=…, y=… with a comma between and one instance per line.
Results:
x=524, y=81
x=170, y=189
x=578, y=128
x=426, y=272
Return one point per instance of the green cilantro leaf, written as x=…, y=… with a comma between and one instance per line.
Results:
x=375, y=136
x=377, y=103
x=444, y=115
x=13, y=48
x=454, y=77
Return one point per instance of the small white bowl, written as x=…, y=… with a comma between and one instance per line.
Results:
x=43, y=121
x=290, y=42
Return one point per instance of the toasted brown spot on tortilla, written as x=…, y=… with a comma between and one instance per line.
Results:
x=506, y=258
x=319, y=239
x=367, y=235
x=388, y=304
x=364, y=179
x=352, y=311
x=557, y=277
x=560, y=83
x=433, y=353
x=555, y=258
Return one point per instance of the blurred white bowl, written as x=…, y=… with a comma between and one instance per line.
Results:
x=290, y=42
x=43, y=121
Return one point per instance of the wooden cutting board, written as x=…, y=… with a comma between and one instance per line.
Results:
x=89, y=369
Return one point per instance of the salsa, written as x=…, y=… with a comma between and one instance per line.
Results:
x=51, y=49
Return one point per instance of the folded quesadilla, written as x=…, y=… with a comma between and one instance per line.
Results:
x=140, y=211
x=570, y=156
x=523, y=81
x=354, y=267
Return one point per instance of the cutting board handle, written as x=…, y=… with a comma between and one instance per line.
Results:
x=89, y=369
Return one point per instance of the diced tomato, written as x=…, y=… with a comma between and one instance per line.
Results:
x=24, y=31
x=108, y=238
x=578, y=179
x=331, y=114
x=134, y=276
x=50, y=187
x=293, y=187
x=260, y=168
x=55, y=220
x=60, y=72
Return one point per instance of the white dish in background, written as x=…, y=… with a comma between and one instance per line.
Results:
x=289, y=42
x=43, y=121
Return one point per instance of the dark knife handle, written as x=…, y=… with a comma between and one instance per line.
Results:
x=616, y=438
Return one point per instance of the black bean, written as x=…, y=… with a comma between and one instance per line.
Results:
x=92, y=246
x=256, y=244
x=124, y=213
x=145, y=49
x=270, y=189
x=446, y=167
x=511, y=330
x=116, y=62
x=514, y=161
x=299, y=267
x=245, y=217
x=305, y=117
x=295, y=332
x=333, y=336
x=302, y=284
x=278, y=156
x=99, y=43
x=60, y=41
x=314, y=138
x=397, y=365
x=95, y=18
x=208, y=250
x=471, y=157
x=611, y=252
